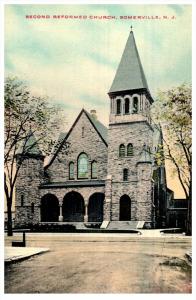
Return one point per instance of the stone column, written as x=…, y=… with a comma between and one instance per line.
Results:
x=108, y=198
x=39, y=207
x=61, y=211
x=86, y=213
x=131, y=106
x=140, y=103
x=113, y=106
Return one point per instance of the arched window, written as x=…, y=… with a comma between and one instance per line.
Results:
x=135, y=105
x=126, y=105
x=71, y=170
x=118, y=107
x=125, y=174
x=130, y=150
x=22, y=200
x=122, y=150
x=94, y=170
x=83, y=166
x=32, y=208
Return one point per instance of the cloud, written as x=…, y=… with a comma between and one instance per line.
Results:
x=68, y=59
x=74, y=61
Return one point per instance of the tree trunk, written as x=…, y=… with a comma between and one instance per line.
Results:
x=9, y=217
x=189, y=212
x=189, y=216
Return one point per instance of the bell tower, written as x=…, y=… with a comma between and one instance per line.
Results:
x=129, y=94
x=130, y=131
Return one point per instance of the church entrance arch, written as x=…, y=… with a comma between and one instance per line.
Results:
x=49, y=208
x=125, y=208
x=73, y=207
x=95, y=207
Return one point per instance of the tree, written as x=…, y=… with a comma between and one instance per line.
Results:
x=25, y=116
x=173, y=110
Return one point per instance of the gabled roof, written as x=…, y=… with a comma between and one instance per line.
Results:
x=130, y=74
x=29, y=146
x=157, y=136
x=58, y=142
x=99, y=127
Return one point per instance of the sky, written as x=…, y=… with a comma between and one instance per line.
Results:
x=73, y=61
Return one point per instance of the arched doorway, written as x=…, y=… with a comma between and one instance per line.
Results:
x=73, y=207
x=49, y=208
x=95, y=207
x=125, y=208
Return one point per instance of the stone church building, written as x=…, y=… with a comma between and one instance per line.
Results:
x=107, y=174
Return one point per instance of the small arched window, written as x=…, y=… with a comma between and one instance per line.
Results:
x=118, y=107
x=22, y=200
x=83, y=166
x=126, y=105
x=82, y=131
x=94, y=170
x=135, y=105
x=122, y=150
x=130, y=149
x=125, y=174
x=71, y=170
x=32, y=208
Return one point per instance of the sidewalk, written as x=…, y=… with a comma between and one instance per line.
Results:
x=13, y=254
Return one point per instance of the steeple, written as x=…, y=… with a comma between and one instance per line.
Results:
x=130, y=98
x=130, y=74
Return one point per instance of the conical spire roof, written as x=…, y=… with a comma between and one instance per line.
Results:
x=130, y=74
x=29, y=146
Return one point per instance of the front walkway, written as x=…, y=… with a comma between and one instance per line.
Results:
x=13, y=254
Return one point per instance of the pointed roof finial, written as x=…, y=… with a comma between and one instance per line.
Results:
x=131, y=28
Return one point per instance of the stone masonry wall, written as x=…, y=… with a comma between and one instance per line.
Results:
x=60, y=193
x=89, y=143
x=119, y=189
x=144, y=198
x=136, y=133
x=29, y=178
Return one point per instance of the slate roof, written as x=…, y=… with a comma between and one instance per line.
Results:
x=130, y=74
x=31, y=146
x=103, y=131
x=157, y=136
x=78, y=183
x=145, y=156
x=58, y=142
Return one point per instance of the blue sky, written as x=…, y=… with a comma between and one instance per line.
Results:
x=74, y=61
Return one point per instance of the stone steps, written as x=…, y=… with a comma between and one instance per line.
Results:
x=122, y=225
x=105, y=226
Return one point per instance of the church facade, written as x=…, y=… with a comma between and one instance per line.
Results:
x=105, y=174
